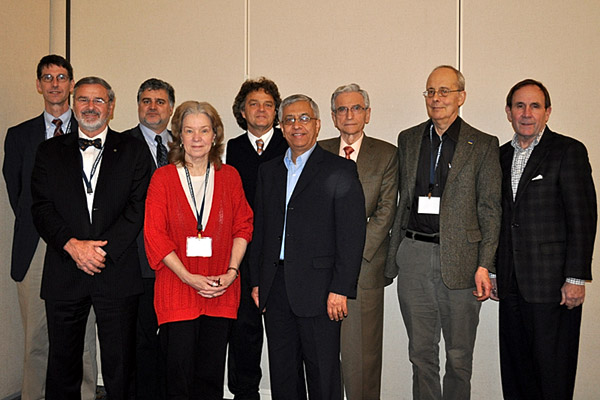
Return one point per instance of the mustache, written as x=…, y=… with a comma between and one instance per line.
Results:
x=91, y=112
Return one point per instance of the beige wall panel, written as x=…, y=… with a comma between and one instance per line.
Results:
x=197, y=46
x=23, y=41
x=388, y=47
x=556, y=43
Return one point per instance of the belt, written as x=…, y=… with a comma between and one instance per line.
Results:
x=422, y=237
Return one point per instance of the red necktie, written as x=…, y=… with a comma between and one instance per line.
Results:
x=348, y=150
x=58, y=123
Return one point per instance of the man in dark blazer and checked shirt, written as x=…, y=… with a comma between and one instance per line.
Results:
x=549, y=216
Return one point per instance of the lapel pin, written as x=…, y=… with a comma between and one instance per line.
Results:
x=114, y=150
x=470, y=142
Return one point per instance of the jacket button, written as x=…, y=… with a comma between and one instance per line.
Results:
x=514, y=225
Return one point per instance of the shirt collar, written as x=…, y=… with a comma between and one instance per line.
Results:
x=101, y=135
x=452, y=132
x=515, y=141
x=300, y=160
x=266, y=138
x=65, y=118
x=150, y=134
x=356, y=146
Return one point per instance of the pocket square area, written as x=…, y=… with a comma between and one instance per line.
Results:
x=537, y=178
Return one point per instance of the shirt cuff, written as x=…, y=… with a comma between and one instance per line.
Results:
x=492, y=276
x=575, y=281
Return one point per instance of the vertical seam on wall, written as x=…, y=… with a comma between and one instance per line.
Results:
x=459, y=31
x=247, y=39
x=68, y=31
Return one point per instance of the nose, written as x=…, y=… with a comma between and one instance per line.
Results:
x=527, y=111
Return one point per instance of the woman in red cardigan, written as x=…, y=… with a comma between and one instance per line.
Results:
x=196, y=230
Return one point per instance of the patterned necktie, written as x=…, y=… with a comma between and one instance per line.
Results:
x=85, y=143
x=161, y=152
x=259, y=146
x=348, y=150
x=58, y=130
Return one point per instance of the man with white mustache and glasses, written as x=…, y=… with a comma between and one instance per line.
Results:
x=88, y=194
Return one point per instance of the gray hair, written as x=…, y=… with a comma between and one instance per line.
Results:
x=460, y=78
x=351, y=88
x=295, y=98
x=94, y=80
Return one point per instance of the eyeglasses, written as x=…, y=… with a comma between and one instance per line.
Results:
x=442, y=92
x=303, y=119
x=49, y=78
x=96, y=100
x=343, y=110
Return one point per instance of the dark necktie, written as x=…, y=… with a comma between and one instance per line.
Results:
x=85, y=143
x=58, y=130
x=260, y=144
x=161, y=152
x=348, y=150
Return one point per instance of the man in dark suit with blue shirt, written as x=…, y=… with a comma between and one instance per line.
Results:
x=307, y=247
x=88, y=193
x=55, y=84
x=155, y=99
x=549, y=216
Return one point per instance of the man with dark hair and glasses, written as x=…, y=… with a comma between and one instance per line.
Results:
x=156, y=100
x=55, y=83
x=362, y=330
x=88, y=191
x=255, y=109
x=444, y=236
x=306, y=252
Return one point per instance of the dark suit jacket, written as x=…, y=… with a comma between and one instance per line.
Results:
x=548, y=232
x=147, y=272
x=469, y=208
x=60, y=213
x=377, y=165
x=325, y=231
x=20, y=146
x=242, y=156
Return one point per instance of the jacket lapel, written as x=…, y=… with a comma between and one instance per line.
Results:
x=311, y=169
x=411, y=154
x=538, y=155
x=464, y=148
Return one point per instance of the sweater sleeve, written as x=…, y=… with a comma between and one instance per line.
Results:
x=156, y=234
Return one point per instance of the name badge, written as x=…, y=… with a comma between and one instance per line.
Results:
x=429, y=205
x=198, y=247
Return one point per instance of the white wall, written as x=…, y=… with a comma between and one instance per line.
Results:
x=207, y=48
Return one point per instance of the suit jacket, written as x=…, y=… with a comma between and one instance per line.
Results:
x=60, y=213
x=469, y=208
x=378, y=173
x=20, y=146
x=325, y=231
x=147, y=272
x=242, y=156
x=548, y=232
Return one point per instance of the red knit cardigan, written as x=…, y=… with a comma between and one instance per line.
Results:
x=170, y=220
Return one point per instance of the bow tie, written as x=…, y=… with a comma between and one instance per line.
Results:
x=85, y=143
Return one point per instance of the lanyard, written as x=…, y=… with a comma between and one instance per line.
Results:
x=191, y=187
x=88, y=182
x=433, y=162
